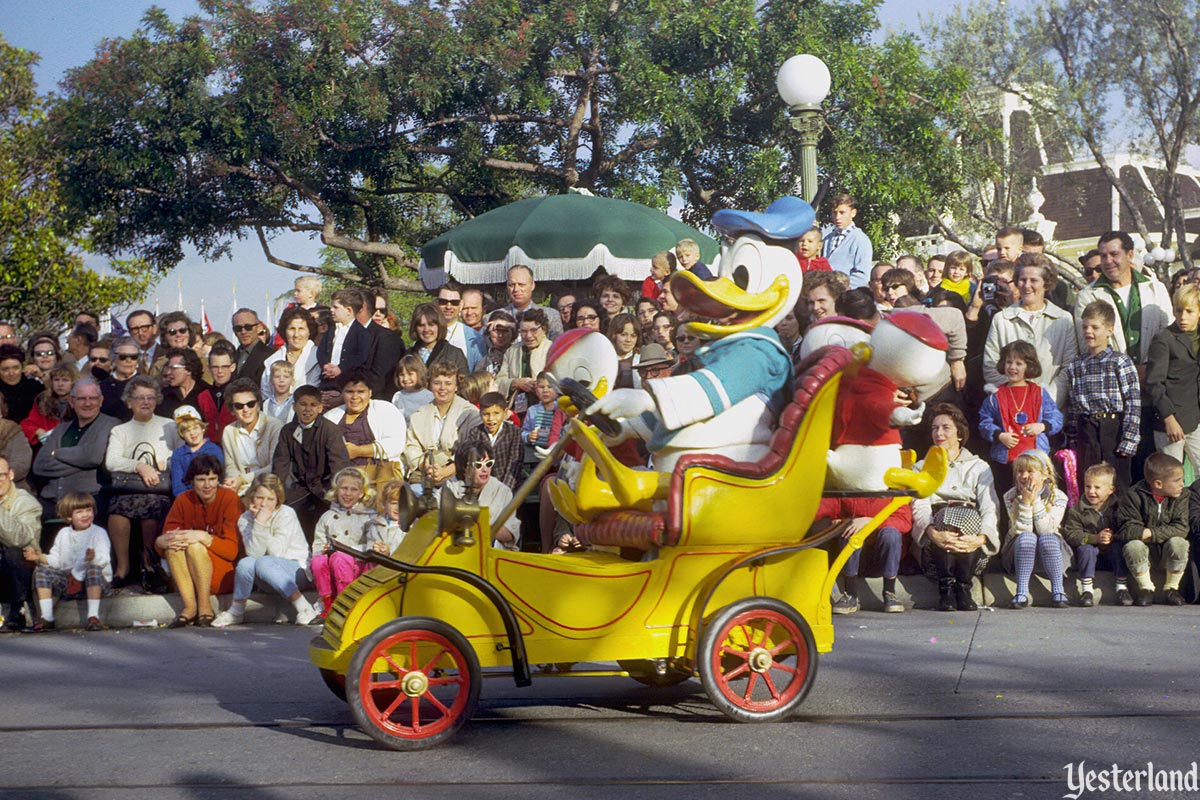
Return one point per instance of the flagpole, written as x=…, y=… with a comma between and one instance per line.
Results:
x=179, y=300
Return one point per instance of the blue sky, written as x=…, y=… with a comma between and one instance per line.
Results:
x=65, y=33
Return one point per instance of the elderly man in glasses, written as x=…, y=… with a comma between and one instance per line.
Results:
x=73, y=454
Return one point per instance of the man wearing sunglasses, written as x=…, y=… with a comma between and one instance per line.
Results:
x=249, y=441
x=143, y=328
x=458, y=333
x=251, y=352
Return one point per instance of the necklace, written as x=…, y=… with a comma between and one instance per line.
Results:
x=1020, y=417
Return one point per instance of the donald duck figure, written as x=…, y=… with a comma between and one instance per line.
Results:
x=730, y=403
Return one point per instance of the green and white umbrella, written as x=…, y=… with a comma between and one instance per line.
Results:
x=562, y=237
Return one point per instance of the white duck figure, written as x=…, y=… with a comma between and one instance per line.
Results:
x=730, y=402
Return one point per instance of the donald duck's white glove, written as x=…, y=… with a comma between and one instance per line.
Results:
x=623, y=404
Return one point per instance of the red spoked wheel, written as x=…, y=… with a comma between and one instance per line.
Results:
x=413, y=683
x=757, y=660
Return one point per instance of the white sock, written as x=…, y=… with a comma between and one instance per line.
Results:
x=46, y=607
x=1120, y=583
x=93, y=607
x=238, y=608
x=301, y=603
x=1086, y=584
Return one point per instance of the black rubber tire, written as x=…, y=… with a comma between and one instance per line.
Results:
x=720, y=661
x=427, y=633
x=336, y=683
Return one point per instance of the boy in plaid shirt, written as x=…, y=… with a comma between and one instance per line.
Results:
x=1104, y=412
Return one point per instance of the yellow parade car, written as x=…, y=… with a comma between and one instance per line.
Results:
x=733, y=586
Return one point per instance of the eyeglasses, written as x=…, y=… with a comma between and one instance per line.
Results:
x=483, y=463
x=176, y=331
x=141, y=328
x=215, y=367
x=43, y=353
x=587, y=317
x=237, y=328
x=247, y=404
x=566, y=307
x=127, y=356
x=102, y=359
x=144, y=398
x=90, y=398
x=175, y=366
x=895, y=286
x=446, y=301
x=683, y=337
x=381, y=311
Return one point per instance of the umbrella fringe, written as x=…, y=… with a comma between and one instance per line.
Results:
x=563, y=269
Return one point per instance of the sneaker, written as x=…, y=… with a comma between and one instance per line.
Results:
x=1145, y=598
x=1086, y=600
x=1020, y=601
x=94, y=624
x=227, y=618
x=892, y=604
x=1123, y=597
x=846, y=604
x=1174, y=598
x=307, y=615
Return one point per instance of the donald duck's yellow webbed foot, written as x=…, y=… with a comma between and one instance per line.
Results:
x=925, y=482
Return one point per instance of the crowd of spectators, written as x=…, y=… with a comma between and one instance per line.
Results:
x=166, y=459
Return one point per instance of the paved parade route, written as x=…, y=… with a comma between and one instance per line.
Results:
x=990, y=704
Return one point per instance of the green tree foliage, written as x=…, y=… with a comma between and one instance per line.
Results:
x=375, y=124
x=1102, y=73
x=43, y=280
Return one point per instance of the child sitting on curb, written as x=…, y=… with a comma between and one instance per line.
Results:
x=79, y=559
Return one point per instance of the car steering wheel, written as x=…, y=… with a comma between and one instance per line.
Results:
x=582, y=398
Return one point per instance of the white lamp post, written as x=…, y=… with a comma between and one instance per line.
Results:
x=803, y=83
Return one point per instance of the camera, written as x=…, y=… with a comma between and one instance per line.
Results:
x=987, y=290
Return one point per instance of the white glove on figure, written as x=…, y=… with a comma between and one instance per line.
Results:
x=623, y=404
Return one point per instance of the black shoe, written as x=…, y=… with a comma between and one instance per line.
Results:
x=1145, y=598
x=1124, y=598
x=1060, y=602
x=946, y=590
x=1086, y=600
x=1019, y=602
x=1174, y=598
x=962, y=597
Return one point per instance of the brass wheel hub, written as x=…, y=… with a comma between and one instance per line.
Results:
x=415, y=684
x=760, y=659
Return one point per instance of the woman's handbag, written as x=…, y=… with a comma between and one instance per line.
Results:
x=132, y=483
x=380, y=470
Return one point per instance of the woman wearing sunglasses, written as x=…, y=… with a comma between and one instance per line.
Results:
x=44, y=353
x=249, y=441
x=473, y=464
x=175, y=330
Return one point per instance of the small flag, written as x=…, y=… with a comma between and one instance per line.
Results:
x=205, y=325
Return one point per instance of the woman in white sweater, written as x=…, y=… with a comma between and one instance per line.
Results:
x=143, y=447
x=276, y=553
x=249, y=441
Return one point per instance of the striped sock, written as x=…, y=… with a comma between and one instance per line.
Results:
x=1025, y=553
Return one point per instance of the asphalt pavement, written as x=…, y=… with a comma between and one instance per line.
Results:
x=921, y=705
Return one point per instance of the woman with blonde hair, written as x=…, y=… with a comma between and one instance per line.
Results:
x=276, y=553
